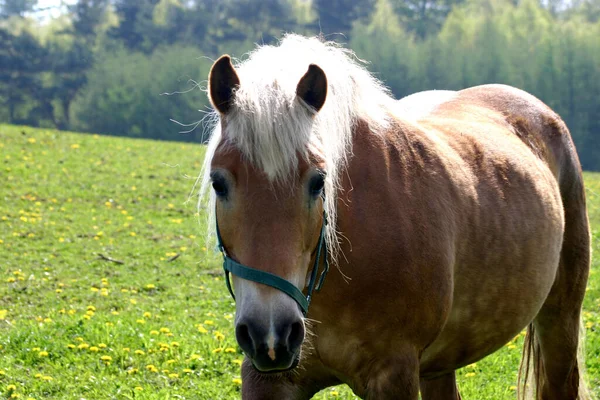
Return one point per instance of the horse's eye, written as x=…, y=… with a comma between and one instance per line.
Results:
x=316, y=185
x=220, y=187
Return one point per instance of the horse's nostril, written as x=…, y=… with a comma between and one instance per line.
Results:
x=296, y=335
x=242, y=334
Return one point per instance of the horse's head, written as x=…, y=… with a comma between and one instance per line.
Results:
x=267, y=225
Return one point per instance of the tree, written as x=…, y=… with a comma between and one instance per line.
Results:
x=423, y=17
x=9, y=8
x=338, y=16
x=136, y=29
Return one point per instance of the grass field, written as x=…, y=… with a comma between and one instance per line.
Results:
x=107, y=290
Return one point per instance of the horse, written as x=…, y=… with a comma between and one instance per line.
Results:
x=451, y=220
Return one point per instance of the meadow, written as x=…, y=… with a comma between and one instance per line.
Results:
x=108, y=289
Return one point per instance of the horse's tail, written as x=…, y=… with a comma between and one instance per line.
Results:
x=530, y=375
x=529, y=370
x=584, y=389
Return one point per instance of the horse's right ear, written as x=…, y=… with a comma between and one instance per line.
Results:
x=222, y=82
x=312, y=88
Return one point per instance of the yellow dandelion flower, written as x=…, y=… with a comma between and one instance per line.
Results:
x=38, y=375
x=470, y=374
x=202, y=329
x=187, y=370
x=164, y=330
x=173, y=376
x=209, y=322
x=114, y=312
x=154, y=332
x=126, y=349
x=106, y=358
x=133, y=301
x=217, y=350
x=3, y=314
x=138, y=388
x=79, y=339
x=151, y=368
x=94, y=349
x=175, y=344
x=219, y=336
x=94, y=289
x=139, y=352
x=195, y=357
x=102, y=345
x=237, y=381
x=230, y=350
x=47, y=378
x=11, y=387
x=237, y=361
x=71, y=346
x=150, y=286
x=512, y=388
x=43, y=354
x=147, y=314
x=74, y=146
x=83, y=346
x=59, y=291
x=132, y=371
x=31, y=140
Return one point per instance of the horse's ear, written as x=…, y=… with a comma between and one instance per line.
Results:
x=312, y=87
x=222, y=81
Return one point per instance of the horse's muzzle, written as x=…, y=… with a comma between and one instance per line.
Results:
x=274, y=351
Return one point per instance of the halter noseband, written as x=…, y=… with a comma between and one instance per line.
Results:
x=266, y=278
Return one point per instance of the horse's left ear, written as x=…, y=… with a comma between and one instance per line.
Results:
x=312, y=87
x=222, y=81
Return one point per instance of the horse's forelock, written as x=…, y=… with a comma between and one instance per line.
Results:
x=272, y=127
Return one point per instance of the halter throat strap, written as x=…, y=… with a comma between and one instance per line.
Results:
x=266, y=278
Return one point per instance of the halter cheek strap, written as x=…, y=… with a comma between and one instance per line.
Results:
x=266, y=278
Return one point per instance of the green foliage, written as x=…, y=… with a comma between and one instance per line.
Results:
x=9, y=8
x=127, y=94
x=75, y=325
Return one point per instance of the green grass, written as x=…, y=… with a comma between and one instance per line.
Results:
x=157, y=326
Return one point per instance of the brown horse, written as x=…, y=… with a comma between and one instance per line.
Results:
x=453, y=220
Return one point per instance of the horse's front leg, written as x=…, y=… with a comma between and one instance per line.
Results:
x=440, y=388
x=300, y=384
x=394, y=378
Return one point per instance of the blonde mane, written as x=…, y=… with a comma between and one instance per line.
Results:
x=271, y=126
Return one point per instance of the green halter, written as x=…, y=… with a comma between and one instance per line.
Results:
x=266, y=278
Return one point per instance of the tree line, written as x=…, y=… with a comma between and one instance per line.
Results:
x=130, y=67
